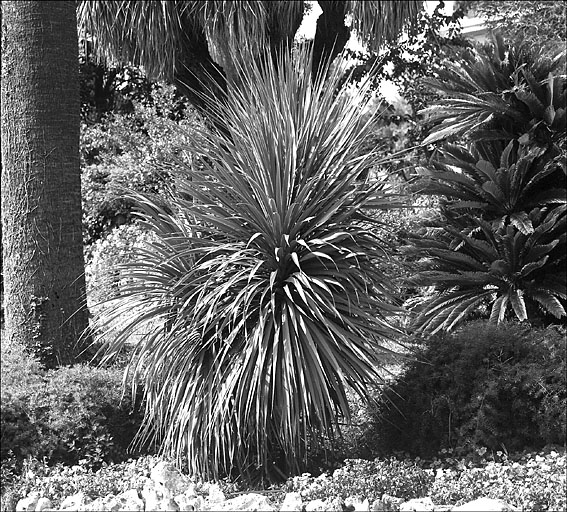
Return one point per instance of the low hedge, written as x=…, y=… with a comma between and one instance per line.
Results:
x=66, y=415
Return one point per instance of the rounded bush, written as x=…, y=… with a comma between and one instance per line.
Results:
x=67, y=415
x=499, y=387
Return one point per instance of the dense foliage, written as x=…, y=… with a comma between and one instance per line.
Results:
x=128, y=151
x=501, y=91
x=367, y=479
x=531, y=21
x=497, y=387
x=66, y=415
x=497, y=245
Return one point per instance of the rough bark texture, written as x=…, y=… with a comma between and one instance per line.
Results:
x=43, y=276
x=197, y=75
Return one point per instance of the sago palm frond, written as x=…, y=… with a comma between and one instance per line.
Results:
x=502, y=188
x=262, y=298
x=504, y=269
x=501, y=92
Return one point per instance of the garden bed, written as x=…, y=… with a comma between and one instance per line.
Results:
x=528, y=481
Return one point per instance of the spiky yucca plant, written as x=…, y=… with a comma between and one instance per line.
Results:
x=262, y=297
x=504, y=92
x=506, y=270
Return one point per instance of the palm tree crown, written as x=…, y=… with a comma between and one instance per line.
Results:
x=195, y=43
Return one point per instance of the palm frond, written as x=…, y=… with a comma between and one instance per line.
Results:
x=501, y=92
x=156, y=34
x=505, y=268
x=147, y=34
x=378, y=22
x=515, y=180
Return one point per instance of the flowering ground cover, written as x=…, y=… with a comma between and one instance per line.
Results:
x=530, y=481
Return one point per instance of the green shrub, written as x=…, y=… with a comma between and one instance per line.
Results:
x=129, y=151
x=66, y=415
x=485, y=385
x=105, y=257
x=83, y=415
x=20, y=373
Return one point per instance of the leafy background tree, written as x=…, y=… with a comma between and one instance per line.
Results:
x=534, y=22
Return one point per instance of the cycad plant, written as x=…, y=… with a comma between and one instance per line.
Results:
x=262, y=297
x=498, y=247
x=502, y=92
x=499, y=243
x=501, y=188
x=504, y=271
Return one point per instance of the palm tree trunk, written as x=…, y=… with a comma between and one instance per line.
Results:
x=43, y=273
x=331, y=33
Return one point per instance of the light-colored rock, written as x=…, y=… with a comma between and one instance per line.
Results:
x=151, y=497
x=251, y=502
x=130, y=500
x=168, y=505
x=28, y=503
x=485, y=505
x=188, y=504
x=75, y=502
x=316, y=506
x=106, y=504
x=387, y=504
x=357, y=505
x=189, y=491
x=417, y=505
x=43, y=504
x=215, y=494
x=169, y=479
x=292, y=502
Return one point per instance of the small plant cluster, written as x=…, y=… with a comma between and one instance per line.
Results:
x=66, y=415
x=483, y=386
x=531, y=481
x=59, y=481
